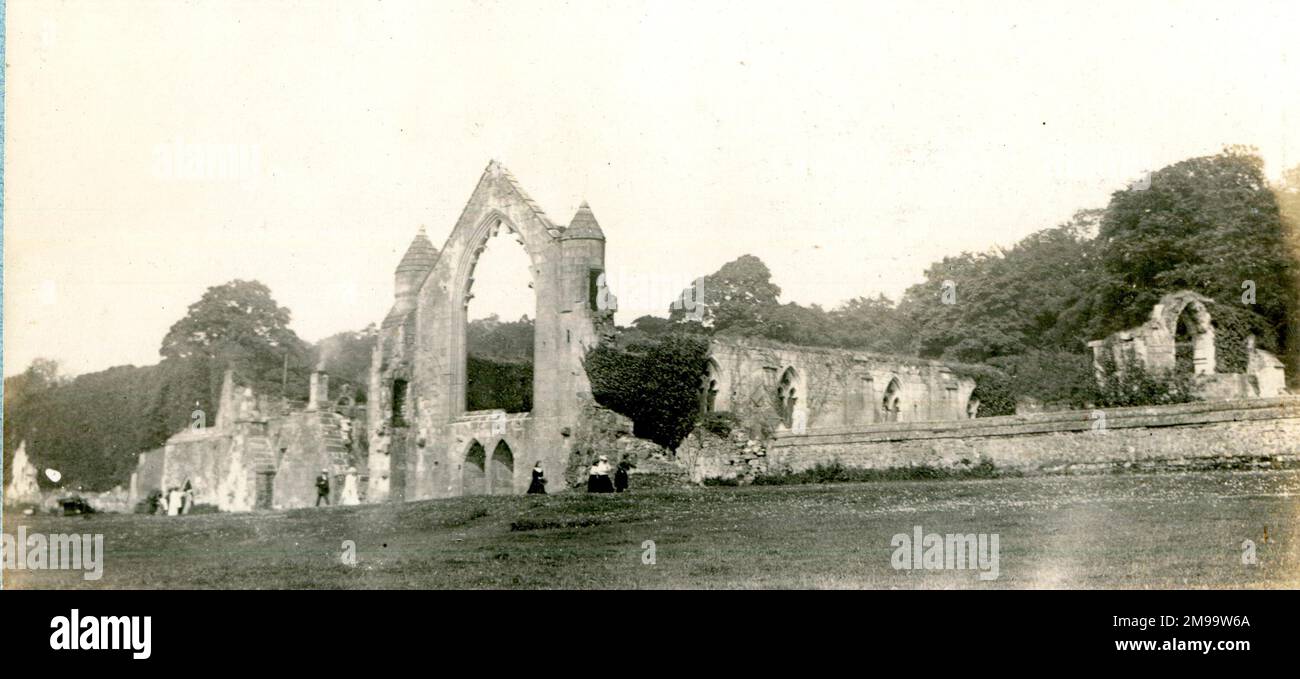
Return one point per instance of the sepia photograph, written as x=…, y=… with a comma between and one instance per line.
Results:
x=628, y=295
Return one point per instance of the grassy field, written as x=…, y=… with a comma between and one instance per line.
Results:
x=1165, y=530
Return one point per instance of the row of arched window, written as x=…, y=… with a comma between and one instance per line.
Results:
x=788, y=395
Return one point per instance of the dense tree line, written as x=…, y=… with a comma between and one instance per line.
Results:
x=1211, y=224
x=90, y=428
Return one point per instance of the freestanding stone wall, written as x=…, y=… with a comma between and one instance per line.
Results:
x=1249, y=432
x=424, y=444
x=781, y=387
x=1154, y=345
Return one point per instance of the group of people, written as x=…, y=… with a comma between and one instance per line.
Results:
x=598, y=477
x=176, y=501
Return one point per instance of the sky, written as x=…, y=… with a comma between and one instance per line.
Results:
x=154, y=149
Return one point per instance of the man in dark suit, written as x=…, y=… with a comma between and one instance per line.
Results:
x=323, y=487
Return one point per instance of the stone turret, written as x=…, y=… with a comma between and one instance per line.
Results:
x=583, y=245
x=584, y=225
x=411, y=272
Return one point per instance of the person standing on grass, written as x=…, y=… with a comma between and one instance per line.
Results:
x=538, y=486
x=620, y=476
x=598, y=478
x=187, y=497
x=174, y=501
x=323, y=487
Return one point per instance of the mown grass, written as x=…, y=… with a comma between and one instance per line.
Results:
x=1165, y=530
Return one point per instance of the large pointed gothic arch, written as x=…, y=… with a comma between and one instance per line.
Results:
x=488, y=227
x=425, y=335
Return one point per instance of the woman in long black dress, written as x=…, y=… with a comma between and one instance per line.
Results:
x=538, y=486
x=603, y=482
x=621, y=475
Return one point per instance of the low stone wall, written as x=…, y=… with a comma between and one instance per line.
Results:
x=1242, y=433
x=705, y=455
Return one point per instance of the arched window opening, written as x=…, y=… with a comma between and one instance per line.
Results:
x=787, y=396
x=1193, y=342
x=891, y=405
x=500, y=303
x=501, y=477
x=399, y=403
x=709, y=389
x=473, y=478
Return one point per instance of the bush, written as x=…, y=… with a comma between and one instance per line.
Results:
x=1056, y=378
x=76, y=505
x=149, y=505
x=720, y=423
x=1135, y=386
x=655, y=382
x=1233, y=324
x=835, y=472
x=993, y=388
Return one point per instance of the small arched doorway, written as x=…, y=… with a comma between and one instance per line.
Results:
x=501, y=470
x=473, y=480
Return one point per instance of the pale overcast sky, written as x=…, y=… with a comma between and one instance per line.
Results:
x=848, y=145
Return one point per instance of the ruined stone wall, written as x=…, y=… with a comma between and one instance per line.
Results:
x=212, y=461
x=1203, y=434
x=420, y=452
x=1154, y=345
x=304, y=444
x=835, y=387
x=705, y=455
x=147, y=476
x=601, y=431
x=23, y=487
x=437, y=466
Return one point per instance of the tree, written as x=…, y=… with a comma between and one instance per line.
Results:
x=240, y=326
x=493, y=339
x=1035, y=295
x=737, y=297
x=346, y=356
x=1287, y=194
x=872, y=324
x=1210, y=224
x=656, y=383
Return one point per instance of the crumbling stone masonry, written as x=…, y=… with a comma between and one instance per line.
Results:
x=261, y=453
x=23, y=487
x=423, y=442
x=772, y=387
x=1180, y=337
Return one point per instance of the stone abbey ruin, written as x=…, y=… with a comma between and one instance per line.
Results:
x=797, y=406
